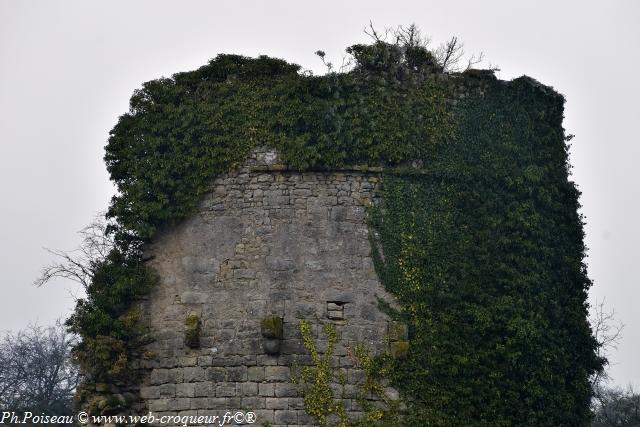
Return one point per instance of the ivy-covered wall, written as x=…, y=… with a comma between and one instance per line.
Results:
x=479, y=235
x=485, y=250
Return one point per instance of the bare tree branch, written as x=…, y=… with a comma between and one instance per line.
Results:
x=607, y=333
x=79, y=265
x=473, y=60
x=449, y=54
x=371, y=32
x=411, y=37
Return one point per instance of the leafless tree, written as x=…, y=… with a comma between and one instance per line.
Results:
x=373, y=33
x=450, y=56
x=410, y=36
x=36, y=371
x=607, y=332
x=617, y=407
x=79, y=265
x=611, y=406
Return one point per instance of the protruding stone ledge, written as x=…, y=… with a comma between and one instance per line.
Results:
x=286, y=168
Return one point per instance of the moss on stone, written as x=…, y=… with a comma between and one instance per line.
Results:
x=398, y=331
x=399, y=349
x=271, y=327
x=192, y=331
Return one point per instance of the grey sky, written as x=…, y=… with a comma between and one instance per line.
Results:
x=68, y=68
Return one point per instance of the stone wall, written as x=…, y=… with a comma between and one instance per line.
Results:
x=265, y=243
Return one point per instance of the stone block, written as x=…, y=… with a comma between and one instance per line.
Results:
x=157, y=405
x=203, y=389
x=252, y=403
x=355, y=376
x=264, y=416
x=235, y=402
x=286, y=417
x=296, y=403
x=244, y=273
x=159, y=376
x=216, y=374
x=267, y=360
x=150, y=392
x=255, y=373
x=168, y=390
x=237, y=373
x=277, y=373
x=218, y=403
x=286, y=390
x=248, y=389
x=179, y=404
x=194, y=298
x=266, y=389
x=305, y=419
x=276, y=403
x=199, y=403
x=335, y=314
x=225, y=390
x=193, y=374
x=204, y=361
x=185, y=390
x=279, y=264
x=188, y=361
x=391, y=393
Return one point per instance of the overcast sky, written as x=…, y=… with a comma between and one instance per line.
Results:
x=68, y=68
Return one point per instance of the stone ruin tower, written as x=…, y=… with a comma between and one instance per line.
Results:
x=478, y=248
x=266, y=248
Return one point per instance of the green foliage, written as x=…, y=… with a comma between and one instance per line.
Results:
x=317, y=379
x=377, y=371
x=399, y=349
x=192, y=331
x=182, y=132
x=483, y=247
x=484, y=250
x=271, y=327
x=104, y=356
x=109, y=328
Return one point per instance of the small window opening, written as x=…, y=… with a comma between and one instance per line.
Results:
x=335, y=310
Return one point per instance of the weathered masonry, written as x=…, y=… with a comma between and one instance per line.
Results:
x=267, y=245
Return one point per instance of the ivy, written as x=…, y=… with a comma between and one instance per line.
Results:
x=316, y=380
x=485, y=252
x=182, y=132
x=482, y=245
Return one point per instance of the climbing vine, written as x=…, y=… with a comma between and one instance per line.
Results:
x=318, y=383
x=317, y=379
